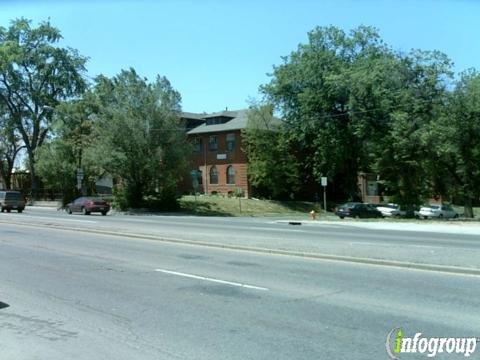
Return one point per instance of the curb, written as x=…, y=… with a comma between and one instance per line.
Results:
x=307, y=255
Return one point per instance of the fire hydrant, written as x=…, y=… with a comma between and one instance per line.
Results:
x=313, y=214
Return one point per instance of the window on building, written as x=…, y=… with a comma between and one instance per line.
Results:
x=218, y=120
x=230, y=175
x=230, y=142
x=212, y=143
x=213, y=175
x=197, y=145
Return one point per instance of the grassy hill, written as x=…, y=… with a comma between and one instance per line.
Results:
x=225, y=206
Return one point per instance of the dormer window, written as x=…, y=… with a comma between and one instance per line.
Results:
x=216, y=120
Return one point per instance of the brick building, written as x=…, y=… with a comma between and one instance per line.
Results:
x=217, y=152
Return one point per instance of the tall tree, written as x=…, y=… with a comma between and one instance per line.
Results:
x=405, y=155
x=313, y=91
x=35, y=75
x=59, y=158
x=10, y=146
x=272, y=168
x=457, y=136
x=140, y=137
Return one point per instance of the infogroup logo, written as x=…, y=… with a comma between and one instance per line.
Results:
x=397, y=343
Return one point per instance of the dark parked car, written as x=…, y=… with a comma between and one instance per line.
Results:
x=87, y=205
x=12, y=200
x=357, y=210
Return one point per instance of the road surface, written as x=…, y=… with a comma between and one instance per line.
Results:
x=72, y=295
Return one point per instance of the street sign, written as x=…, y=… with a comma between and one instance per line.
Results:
x=324, y=184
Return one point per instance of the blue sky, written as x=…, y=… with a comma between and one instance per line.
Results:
x=217, y=53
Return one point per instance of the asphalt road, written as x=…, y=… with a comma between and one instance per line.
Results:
x=334, y=238
x=71, y=295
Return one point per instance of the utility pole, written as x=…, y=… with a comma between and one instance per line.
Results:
x=205, y=170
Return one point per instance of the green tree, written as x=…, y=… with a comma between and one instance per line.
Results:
x=10, y=146
x=35, y=75
x=140, y=137
x=272, y=169
x=317, y=90
x=59, y=158
x=352, y=104
x=457, y=136
x=405, y=156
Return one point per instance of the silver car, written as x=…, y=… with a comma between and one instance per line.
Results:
x=437, y=211
x=391, y=210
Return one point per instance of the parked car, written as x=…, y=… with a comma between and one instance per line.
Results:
x=87, y=205
x=391, y=210
x=357, y=210
x=12, y=200
x=437, y=211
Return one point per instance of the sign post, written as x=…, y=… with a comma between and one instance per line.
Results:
x=324, y=184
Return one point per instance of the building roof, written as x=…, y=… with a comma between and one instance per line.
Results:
x=189, y=115
x=238, y=120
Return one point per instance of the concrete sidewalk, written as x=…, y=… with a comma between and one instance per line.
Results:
x=432, y=226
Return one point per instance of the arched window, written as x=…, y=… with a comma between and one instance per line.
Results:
x=230, y=175
x=213, y=175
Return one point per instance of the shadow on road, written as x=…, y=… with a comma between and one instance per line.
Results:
x=3, y=305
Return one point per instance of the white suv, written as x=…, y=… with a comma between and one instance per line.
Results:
x=437, y=211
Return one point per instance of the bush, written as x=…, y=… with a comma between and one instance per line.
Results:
x=119, y=198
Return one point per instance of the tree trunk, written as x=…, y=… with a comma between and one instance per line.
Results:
x=8, y=180
x=6, y=173
x=468, y=209
x=33, y=180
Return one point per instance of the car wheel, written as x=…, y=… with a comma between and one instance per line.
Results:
x=104, y=213
x=342, y=217
x=440, y=216
x=425, y=217
x=19, y=211
x=456, y=216
x=3, y=209
x=9, y=210
x=69, y=211
x=85, y=211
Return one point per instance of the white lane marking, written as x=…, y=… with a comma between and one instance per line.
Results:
x=191, y=276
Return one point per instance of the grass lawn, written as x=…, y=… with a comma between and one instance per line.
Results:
x=225, y=206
